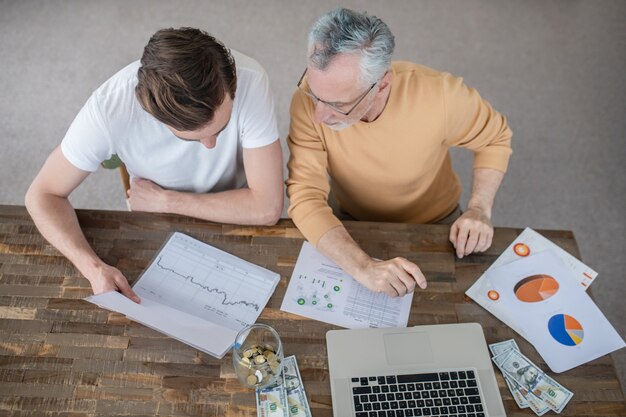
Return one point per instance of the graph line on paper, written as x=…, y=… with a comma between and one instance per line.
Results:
x=206, y=282
x=207, y=288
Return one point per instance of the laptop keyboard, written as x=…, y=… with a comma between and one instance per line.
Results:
x=441, y=394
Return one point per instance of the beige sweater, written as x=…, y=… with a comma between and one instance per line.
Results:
x=396, y=168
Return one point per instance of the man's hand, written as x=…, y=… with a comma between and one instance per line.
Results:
x=109, y=278
x=260, y=203
x=144, y=195
x=472, y=232
x=395, y=277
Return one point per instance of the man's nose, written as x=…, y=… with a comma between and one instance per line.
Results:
x=209, y=142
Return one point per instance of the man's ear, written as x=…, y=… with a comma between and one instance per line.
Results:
x=385, y=81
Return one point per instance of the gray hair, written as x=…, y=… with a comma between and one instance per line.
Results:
x=346, y=31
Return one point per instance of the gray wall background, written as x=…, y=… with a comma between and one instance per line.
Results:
x=555, y=68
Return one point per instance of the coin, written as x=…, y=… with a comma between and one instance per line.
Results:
x=259, y=359
x=251, y=379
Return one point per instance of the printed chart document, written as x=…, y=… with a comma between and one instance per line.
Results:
x=528, y=243
x=320, y=290
x=539, y=290
x=197, y=294
x=556, y=314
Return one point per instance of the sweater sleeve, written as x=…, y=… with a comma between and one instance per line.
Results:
x=472, y=123
x=307, y=185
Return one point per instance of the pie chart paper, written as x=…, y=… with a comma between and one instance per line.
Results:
x=527, y=244
x=553, y=311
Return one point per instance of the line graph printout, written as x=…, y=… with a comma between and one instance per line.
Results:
x=320, y=290
x=197, y=294
x=207, y=282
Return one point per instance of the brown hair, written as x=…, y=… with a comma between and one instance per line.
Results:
x=184, y=77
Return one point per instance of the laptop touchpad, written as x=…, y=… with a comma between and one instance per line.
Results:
x=407, y=348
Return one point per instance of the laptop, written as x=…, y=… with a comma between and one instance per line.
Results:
x=438, y=370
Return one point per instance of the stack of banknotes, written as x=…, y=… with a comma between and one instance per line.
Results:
x=530, y=386
x=286, y=398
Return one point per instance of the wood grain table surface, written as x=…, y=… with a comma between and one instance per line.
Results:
x=64, y=357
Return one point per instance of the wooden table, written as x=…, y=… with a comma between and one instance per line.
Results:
x=61, y=356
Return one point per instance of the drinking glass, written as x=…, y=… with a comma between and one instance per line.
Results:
x=258, y=356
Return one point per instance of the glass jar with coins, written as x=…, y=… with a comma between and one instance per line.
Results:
x=257, y=356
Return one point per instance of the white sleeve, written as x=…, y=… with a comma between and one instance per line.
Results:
x=258, y=125
x=87, y=142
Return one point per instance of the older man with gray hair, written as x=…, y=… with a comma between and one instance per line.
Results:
x=381, y=130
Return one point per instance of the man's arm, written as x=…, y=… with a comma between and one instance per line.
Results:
x=308, y=190
x=472, y=123
x=48, y=204
x=394, y=277
x=260, y=203
x=473, y=231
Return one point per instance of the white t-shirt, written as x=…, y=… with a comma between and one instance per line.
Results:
x=113, y=122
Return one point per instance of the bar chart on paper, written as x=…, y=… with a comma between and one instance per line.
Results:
x=203, y=281
x=320, y=290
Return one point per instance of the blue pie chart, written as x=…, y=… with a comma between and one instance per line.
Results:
x=566, y=330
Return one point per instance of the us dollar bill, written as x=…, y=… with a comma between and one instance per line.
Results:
x=272, y=401
x=535, y=403
x=298, y=405
x=554, y=394
x=498, y=349
x=519, y=370
x=530, y=377
x=501, y=347
x=517, y=395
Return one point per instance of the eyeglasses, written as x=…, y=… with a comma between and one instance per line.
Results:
x=309, y=93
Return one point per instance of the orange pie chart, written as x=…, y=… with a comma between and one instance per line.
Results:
x=536, y=288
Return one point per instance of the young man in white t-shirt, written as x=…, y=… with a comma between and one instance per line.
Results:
x=196, y=128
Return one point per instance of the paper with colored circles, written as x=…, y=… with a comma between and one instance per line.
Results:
x=528, y=243
x=321, y=290
x=538, y=290
x=556, y=315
